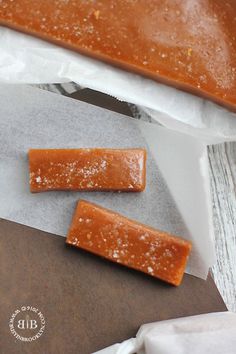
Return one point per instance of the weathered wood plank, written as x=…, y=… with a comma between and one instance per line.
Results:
x=222, y=162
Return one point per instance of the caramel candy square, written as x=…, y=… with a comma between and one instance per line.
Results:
x=87, y=169
x=121, y=240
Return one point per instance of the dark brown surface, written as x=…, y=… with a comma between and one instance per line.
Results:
x=88, y=302
x=188, y=44
x=102, y=100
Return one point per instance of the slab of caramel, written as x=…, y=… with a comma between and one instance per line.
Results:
x=113, y=236
x=87, y=169
x=188, y=44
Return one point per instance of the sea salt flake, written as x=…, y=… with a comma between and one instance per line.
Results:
x=38, y=179
x=115, y=254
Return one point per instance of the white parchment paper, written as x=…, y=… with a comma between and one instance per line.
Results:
x=25, y=59
x=176, y=197
x=213, y=333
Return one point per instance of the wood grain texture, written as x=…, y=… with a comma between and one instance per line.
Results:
x=222, y=164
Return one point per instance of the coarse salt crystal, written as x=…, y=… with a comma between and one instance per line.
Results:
x=150, y=270
x=38, y=179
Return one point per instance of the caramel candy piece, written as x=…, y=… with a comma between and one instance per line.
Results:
x=187, y=44
x=87, y=169
x=111, y=235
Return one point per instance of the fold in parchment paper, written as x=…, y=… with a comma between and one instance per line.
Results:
x=25, y=59
x=213, y=333
x=176, y=198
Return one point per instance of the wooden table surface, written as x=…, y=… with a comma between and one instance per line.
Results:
x=222, y=165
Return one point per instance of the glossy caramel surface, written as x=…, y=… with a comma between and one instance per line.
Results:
x=87, y=169
x=185, y=43
x=111, y=235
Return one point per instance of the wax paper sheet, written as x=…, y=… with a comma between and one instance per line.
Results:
x=213, y=333
x=25, y=59
x=175, y=199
